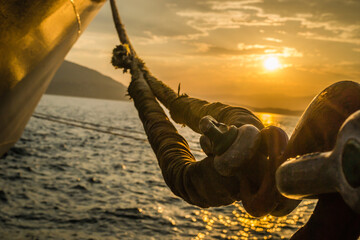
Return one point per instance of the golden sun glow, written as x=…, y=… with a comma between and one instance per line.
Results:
x=272, y=63
x=266, y=118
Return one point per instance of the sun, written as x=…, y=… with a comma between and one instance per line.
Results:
x=272, y=63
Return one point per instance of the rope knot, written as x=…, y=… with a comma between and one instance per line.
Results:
x=122, y=57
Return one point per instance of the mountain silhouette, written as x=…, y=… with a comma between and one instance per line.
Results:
x=78, y=81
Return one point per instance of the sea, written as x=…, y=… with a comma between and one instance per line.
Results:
x=83, y=169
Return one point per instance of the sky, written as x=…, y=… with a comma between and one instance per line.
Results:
x=259, y=53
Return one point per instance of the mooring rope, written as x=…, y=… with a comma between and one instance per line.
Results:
x=198, y=182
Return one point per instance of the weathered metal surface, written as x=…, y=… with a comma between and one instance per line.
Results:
x=338, y=170
x=317, y=132
x=232, y=147
x=221, y=135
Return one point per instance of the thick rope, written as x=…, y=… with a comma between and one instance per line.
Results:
x=198, y=182
x=193, y=181
x=189, y=111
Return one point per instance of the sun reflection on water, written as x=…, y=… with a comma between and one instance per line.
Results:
x=240, y=225
x=266, y=118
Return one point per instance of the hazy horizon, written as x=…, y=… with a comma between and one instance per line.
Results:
x=274, y=53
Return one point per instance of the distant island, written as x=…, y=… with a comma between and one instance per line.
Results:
x=78, y=81
x=282, y=111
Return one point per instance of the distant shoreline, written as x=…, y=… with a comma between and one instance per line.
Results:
x=277, y=111
x=62, y=95
x=256, y=110
x=74, y=80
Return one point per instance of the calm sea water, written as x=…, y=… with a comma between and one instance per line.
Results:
x=64, y=182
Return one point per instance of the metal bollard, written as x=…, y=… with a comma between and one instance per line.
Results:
x=310, y=175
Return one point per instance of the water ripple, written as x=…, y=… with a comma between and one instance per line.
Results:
x=61, y=182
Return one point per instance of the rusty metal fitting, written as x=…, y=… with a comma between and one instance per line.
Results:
x=232, y=146
x=220, y=135
x=252, y=156
x=338, y=170
x=265, y=199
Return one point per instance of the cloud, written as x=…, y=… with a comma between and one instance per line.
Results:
x=273, y=39
x=227, y=15
x=253, y=53
x=224, y=42
x=150, y=39
x=341, y=11
x=333, y=20
x=326, y=20
x=141, y=17
x=221, y=51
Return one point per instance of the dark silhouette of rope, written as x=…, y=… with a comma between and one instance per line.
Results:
x=197, y=182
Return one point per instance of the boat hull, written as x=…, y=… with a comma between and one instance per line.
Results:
x=33, y=45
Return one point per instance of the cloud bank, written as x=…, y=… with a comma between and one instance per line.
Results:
x=216, y=49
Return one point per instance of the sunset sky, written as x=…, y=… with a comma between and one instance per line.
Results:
x=261, y=53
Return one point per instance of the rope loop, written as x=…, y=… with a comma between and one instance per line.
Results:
x=253, y=157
